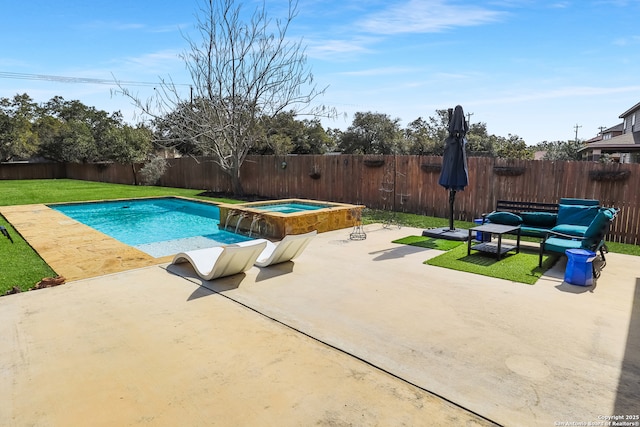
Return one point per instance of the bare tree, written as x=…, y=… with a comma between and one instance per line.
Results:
x=242, y=73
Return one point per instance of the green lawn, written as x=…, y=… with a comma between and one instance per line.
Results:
x=26, y=192
x=23, y=268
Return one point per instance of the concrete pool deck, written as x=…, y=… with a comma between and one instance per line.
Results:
x=352, y=332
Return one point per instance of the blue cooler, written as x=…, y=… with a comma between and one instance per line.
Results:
x=579, y=269
x=480, y=235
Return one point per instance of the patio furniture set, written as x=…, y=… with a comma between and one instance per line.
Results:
x=573, y=224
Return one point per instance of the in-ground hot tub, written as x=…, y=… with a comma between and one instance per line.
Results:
x=275, y=219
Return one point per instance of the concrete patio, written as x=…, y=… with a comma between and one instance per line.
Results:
x=351, y=333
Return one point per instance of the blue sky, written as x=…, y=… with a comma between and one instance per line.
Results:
x=531, y=68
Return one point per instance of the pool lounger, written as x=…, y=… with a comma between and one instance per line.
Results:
x=221, y=261
x=290, y=247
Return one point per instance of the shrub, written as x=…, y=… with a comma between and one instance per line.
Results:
x=153, y=170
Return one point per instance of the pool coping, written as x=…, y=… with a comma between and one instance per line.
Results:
x=72, y=249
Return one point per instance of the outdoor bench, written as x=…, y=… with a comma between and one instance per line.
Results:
x=570, y=216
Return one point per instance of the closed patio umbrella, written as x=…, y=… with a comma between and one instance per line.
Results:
x=454, y=175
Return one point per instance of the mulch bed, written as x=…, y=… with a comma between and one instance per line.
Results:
x=47, y=282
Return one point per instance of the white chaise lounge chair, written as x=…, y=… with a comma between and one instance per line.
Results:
x=287, y=249
x=221, y=261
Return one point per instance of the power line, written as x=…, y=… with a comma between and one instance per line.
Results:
x=77, y=80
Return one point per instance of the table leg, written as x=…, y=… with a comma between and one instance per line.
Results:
x=499, y=245
x=518, y=243
x=469, y=244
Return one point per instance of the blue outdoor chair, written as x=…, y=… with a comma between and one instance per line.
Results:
x=593, y=239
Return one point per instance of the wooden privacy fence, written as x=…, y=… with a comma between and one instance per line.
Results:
x=400, y=183
x=410, y=183
x=32, y=171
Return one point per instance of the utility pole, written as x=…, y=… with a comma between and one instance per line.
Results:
x=469, y=119
x=576, y=127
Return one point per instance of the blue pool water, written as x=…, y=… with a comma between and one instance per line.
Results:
x=159, y=227
x=289, y=207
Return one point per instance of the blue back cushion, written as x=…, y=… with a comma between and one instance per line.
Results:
x=594, y=233
x=505, y=218
x=539, y=219
x=577, y=214
x=583, y=202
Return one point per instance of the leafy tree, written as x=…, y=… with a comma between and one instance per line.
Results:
x=512, y=147
x=479, y=142
x=242, y=73
x=17, y=137
x=98, y=121
x=372, y=133
x=70, y=131
x=420, y=139
x=560, y=150
x=70, y=142
x=166, y=131
x=438, y=127
x=284, y=134
x=127, y=145
x=334, y=135
x=314, y=139
x=427, y=137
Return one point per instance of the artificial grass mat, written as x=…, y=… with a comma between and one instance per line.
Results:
x=521, y=267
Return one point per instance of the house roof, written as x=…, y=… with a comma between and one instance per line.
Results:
x=594, y=139
x=627, y=142
x=617, y=128
x=630, y=110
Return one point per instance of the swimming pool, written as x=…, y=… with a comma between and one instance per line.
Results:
x=156, y=226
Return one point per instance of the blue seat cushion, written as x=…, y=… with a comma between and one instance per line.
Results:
x=577, y=214
x=572, y=230
x=526, y=230
x=557, y=244
x=505, y=218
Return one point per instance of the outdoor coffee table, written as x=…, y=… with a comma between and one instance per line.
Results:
x=495, y=248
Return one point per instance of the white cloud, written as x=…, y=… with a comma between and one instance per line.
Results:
x=336, y=48
x=161, y=61
x=420, y=16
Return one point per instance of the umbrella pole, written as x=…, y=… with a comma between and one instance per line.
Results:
x=452, y=197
